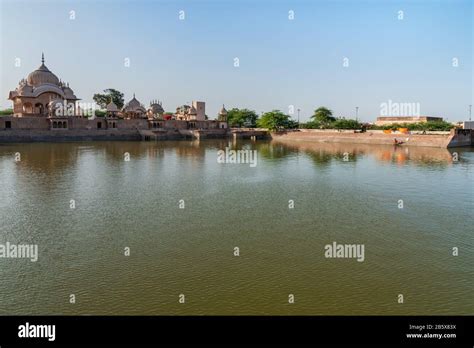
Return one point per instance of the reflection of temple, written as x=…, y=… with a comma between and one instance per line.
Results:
x=40, y=90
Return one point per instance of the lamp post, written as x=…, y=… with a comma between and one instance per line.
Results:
x=298, y=118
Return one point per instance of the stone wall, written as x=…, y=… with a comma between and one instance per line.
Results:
x=78, y=128
x=447, y=139
x=462, y=137
x=16, y=135
x=43, y=123
x=40, y=123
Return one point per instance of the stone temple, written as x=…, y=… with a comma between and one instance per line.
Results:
x=44, y=105
x=41, y=89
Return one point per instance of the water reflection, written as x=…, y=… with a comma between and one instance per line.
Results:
x=136, y=204
x=43, y=158
x=324, y=153
x=39, y=157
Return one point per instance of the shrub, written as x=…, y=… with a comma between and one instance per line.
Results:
x=6, y=112
x=420, y=126
x=342, y=123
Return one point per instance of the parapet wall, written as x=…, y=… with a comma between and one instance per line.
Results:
x=439, y=139
x=26, y=129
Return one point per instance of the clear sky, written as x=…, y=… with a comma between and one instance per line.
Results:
x=283, y=62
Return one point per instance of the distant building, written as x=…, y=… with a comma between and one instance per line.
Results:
x=195, y=112
x=387, y=120
x=43, y=102
x=155, y=110
x=112, y=110
x=222, y=114
x=134, y=109
x=468, y=124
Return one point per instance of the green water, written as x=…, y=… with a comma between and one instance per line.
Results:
x=190, y=251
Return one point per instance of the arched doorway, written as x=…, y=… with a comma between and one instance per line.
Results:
x=39, y=108
x=27, y=108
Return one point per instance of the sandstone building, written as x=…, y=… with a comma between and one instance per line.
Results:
x=42, y=103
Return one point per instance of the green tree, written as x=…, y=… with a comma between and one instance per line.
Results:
x=275, y=120
x=323, y=115
x=242, y=118
x=103, y=99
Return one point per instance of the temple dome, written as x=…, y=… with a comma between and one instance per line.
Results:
x=25, y=90
x=69, y=93
x=223, y=110
x=111, y=107
x=133, y=104
x=156, y=108
x=41, y=76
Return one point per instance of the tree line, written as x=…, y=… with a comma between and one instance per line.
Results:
x=322, y=118
x=274, y=120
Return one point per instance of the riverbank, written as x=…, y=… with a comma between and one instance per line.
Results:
x=114, y=134
x=454, y=138
x=62, y=129
x=180, y=131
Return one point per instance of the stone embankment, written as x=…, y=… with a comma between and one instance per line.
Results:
x=454, y=138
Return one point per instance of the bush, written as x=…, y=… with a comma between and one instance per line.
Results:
x=339, y=123
x=419, y=126
x=6, y=112
x=342, y=123
x=310, y=125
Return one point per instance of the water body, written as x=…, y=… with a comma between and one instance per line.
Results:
x=341, y=193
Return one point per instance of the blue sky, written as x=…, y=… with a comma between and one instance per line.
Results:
x=283, y=62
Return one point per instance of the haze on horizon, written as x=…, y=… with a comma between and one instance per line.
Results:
x=283, y=62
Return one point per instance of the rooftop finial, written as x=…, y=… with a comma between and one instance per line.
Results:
x=42, y=57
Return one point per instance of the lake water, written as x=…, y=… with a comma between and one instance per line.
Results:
x=342, y=193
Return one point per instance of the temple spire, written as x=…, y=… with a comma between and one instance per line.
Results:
x=42, y=57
